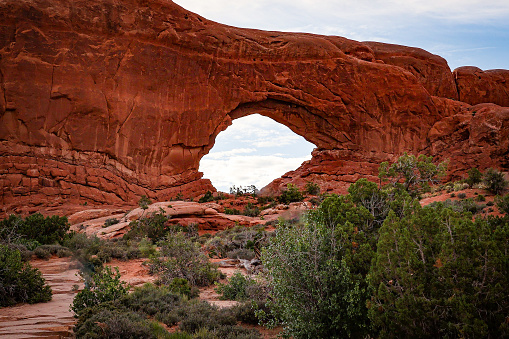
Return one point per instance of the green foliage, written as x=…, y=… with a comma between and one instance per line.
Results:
x=110, y=221
x=230, y=242
x=474, y=177
x=144, y=202
x=480, y=198
x=154, y=226
x=503, y=203
x=19, y=282
x=182, y=287
x=182, y=258
x=462, y=195
x=236, y=288
x=416, y=173
x=207, y=197
x=494, y=181
x=251, y=211
x=44, y=230
x=437, y=273
x=290, y=194
x=312, y=188
x=317, y=272
x=102, y=286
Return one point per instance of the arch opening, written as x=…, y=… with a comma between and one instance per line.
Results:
x=254, y=150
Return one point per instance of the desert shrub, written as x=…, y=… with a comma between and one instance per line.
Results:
x=182, y=258
x=63, y=252
x=232, y=211
x=503, y=203
x=241, y=253
x=251, y=211
x=154, y=226
x=19, y=282
x=490, y=203
x=235, y=238
x=42, y=253
x=246, y=311
x=474, y=177
x=462, y=195
x=182, y=287
x=144, y=202
x=236, y=288
x=458, y=186
x=110, y=221
x=262, y=200
x=312, y=188
x=113, y=324
x=197, y=314
x=207, y=197
x=102, y=286
x=453, y=195
x=190, y=231
x=45, y=230
x=153, y=301
x=461, y=206
x=290, y=194
x=494, y=181
x=146, y=248
x=480, y=197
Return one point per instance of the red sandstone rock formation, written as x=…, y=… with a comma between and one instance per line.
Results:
x=476, y=86
x=107, y=100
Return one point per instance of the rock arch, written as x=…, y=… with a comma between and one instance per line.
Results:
x=109, y=100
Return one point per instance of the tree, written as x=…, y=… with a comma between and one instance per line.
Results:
x=474, y=177
x=437, y=273
x=317, y=272
x=414, y=174
x=290, y=194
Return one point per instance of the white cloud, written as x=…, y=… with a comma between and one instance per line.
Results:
x=247, y=170
x=231, y=153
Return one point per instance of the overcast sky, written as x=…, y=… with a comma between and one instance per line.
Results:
x=464, y=32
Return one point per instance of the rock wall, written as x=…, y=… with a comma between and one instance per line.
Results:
x=104, y=101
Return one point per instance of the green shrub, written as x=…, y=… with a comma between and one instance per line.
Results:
x=494, y=181
x=241, y=253
x=103, y=286
x=42, y=253
x=480, y=197
x=474, y=177
x=114, y=324
x=182, y=287
x=503, y=203
x=462, y=195
x=154, y=226
x=251, y=211
x=232, y=211
x=110, y=221
x=182, y=258
x=290, y=194
x=35, y=227
x=236, y=288
x=197, y=314
x=311, y=188
x=19, y=282
x=207, y=197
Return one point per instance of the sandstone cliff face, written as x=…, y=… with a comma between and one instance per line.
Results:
x=104, y=101
x=476, y=86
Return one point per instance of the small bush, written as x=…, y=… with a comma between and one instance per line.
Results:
x=182, y=287
x=196, y=315
x=480, y=197
x=474, y=177
x=236, y=287
x=453, y=195
x=232, y=211
x=45, y=230
x=291, y=194
x=182, y=258
x=490, y=203
x=494, y=181
x=207, y=197
x=462, y=195
x=251, y=211
x=19, y=282
x=503, y=203
x=111, y=221
x=311, y=188
x=100, y=287
x=42, y=253
x=153, y=226
x=241, y=253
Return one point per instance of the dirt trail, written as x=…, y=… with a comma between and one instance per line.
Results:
x=45, y=320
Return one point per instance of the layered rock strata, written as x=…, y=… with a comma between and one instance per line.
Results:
x=104, y=101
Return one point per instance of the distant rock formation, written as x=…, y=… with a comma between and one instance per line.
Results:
x=103, y=101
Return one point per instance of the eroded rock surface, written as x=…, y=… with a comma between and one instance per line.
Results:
x=103, y=101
